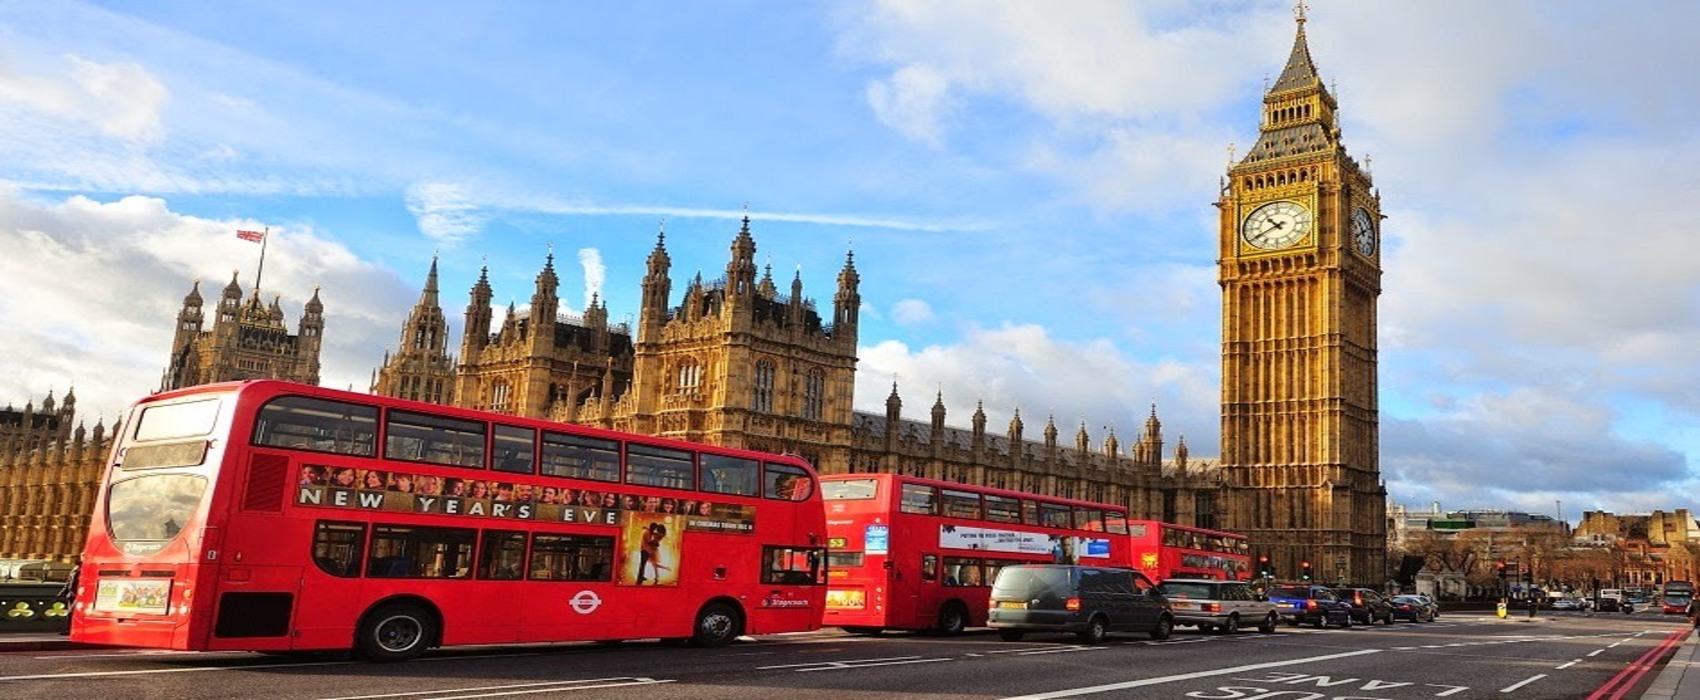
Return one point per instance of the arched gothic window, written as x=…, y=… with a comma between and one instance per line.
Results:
x=762, y=400
x=814, y=395
x=690, y=376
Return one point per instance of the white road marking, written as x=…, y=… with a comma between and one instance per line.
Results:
x=1595, y=652
x=1071, y=692
x=1522, y=683
x=99, y=674
x=516, y=688
x=1573, y=662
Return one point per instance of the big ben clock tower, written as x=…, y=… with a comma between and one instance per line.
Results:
x=1300, y=269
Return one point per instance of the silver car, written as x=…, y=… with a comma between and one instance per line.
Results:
x=1219, y=606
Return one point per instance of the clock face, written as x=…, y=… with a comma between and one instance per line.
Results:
x=1363, y=232
x=1276, y=225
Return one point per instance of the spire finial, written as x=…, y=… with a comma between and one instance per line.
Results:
x=1230, y=154
x=1299, y=11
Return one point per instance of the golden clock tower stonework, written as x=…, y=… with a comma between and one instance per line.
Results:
x=1300, y=269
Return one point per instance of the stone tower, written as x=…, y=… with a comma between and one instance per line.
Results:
x=421, y=368
x=248, y=340
x=1300, y=254
x=542, y=364
x=738, y=363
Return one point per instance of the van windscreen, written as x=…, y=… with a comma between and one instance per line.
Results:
x=1023, y=582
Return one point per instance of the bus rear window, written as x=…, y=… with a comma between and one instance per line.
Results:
x=858, y=490
x=177, y=420
x=153, y=508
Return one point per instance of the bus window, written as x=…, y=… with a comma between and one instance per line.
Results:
x=1115, y=522
x=302, y=423
x=959, y=571
x=337, y=547
x=918, y=499
x=1003, y=509
x=858, y=490
x=731, y=475
x=578, y=457
x=659, y=466
x=929, y=567
x=417, y=437
x=1088, y=518
x=788, y=483
x=1029, y=512
x=178, y=420
x=400, y=551
x=961, y=504
x=152, y=508
x=1053, y=515
x=793, y=565
x=502, y=555
x=571, y=558
x=513, y=449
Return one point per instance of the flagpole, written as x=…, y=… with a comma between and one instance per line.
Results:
x=264, y=237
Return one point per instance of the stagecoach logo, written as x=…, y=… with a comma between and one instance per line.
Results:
x=1148, y=561
x=585, y=602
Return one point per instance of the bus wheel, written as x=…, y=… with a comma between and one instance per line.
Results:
x=716, y=625
x=953, y=618
x=395, y=633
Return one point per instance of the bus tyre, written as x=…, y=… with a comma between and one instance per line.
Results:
x=716, y=625
x=1011, y=635
x=953, y=618
x=1096, y=630
x=395, y=632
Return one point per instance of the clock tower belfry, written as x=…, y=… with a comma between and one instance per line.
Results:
x=1300, y=270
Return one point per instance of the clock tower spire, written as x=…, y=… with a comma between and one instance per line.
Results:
x=1300, y=271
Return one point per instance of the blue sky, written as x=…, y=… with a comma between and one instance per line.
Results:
x=1027, y=188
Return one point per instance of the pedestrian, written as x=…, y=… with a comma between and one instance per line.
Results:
x=1693, y=611
x=68, y=592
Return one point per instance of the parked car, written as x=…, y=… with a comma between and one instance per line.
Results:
x=1090, y=601
x=1566, y=604
x=1367, y=605
x=1219, y=606
x=1314, y=605
x=1413, y=608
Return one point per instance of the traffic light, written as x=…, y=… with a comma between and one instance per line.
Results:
x=1263, y=570
x=1304, y=571
x=1501, y=567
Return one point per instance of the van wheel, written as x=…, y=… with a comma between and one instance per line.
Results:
x=1269, y=624
x=395, y=632
x=1231, y=626
x=1165, y=627
x=716, y=624
x=1096, y=630
x=1011, y=635
x=953, y=618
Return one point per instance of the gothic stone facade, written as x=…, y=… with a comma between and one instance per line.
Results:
x=248, y=340
x=48, y=475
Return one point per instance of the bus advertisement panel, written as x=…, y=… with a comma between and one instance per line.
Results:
x=273, y=516
x=1165, y=550
x=920, y=554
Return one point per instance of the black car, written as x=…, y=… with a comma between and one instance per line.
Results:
x=1608, y=605
x=1413, y=608
x=1314, y=605
x=1090, y=601
x=1367, y=605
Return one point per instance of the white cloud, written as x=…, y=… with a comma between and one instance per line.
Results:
x=595, y=272
x=133, y=260
x=122, y=100
x=912, y=102
x=445, y=212
x=911, y=312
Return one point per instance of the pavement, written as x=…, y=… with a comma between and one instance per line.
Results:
x=1679, y=680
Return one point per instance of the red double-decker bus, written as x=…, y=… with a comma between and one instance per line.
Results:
x=919, y=554
x=1166, y=550
x=273, y=516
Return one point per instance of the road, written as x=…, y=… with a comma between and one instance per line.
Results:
x=1556, y=655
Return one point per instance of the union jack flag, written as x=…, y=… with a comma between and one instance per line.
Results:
x=252, y=236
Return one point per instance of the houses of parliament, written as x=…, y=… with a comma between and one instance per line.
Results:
x=745, y=360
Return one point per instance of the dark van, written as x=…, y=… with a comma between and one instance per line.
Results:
x=1090, y=601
